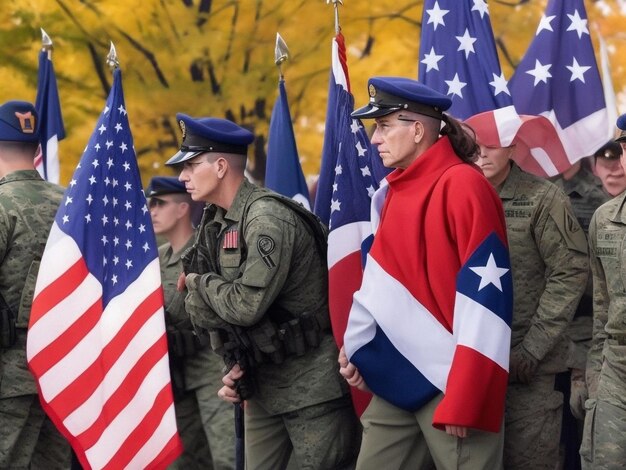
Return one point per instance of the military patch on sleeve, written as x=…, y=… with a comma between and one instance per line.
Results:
x=570, y=229
x=266, y=247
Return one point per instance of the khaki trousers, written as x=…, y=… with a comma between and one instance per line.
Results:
x=398, y=439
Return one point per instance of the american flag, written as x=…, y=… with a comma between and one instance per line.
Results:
x=350, y=172
x=458, y=56
x=283, y=172
x=96, y=340
x=50, y=119
x=559, y=78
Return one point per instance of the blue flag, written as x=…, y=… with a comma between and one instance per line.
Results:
x=559, y=78
x=458, y=56
x=283, y=172
x=50, y=119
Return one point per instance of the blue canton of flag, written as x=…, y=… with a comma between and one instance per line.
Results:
x=351, y=168
x=559, y=78
x=105, y=202
x=50, y=119
x=283, y=172
x=458, y=56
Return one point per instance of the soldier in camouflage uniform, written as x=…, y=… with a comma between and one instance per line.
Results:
x=28, y=204
x=550, y=269
x=263, y=285
x=204, y=421
x=604, y=446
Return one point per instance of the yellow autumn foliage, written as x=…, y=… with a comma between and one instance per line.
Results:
x=216, y=57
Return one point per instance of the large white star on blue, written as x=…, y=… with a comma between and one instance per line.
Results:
x=578, y=71
x=490, y=273
x=455, y=86
x=540, y=72
x=578, y=24
x=435, y=16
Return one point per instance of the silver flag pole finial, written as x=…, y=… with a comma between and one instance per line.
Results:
x=112, y=60
x=336, y=4
x=46, y=43
x=281, y=54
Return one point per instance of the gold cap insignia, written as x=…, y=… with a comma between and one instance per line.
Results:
x=372, y=90
x=181, y=123
x=27, y=122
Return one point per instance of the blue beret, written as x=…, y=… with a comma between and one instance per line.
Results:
x=391, y=94
x=164, y=185
x=210, y=135
x=621, y=125
x=18, y=122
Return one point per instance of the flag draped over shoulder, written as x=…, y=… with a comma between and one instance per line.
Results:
x=434, y=310
x=283, y=172
x=559, y=79
x=96, y=340
x=458, y=56
x=50, y=119
x=350, y=172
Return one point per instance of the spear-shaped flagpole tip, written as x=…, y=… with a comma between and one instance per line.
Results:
x=281, y=53
x=112, y=58
x=336, y=4
x=46, y=42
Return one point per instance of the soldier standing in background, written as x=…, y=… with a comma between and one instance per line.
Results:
x=28, y=205
x=608, y=168
x=604, y=446
x=550, y=267
x=260, y=283
x=586, y=194
x=204, y=421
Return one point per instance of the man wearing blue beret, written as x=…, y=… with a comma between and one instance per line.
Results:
x=603, y=445
x=429, y=329
x=28, y=205
x=257, y=280
x=204, y=421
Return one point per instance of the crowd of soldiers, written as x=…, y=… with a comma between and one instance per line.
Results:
x=245, y=283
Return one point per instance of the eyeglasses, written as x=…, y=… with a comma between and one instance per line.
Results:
x=385, y=127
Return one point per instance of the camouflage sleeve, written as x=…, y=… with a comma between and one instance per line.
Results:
x=563, y=247
x=600, y=314
x=269, y=236
x=4, y=233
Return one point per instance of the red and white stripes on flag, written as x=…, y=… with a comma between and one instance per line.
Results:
x=96, y=337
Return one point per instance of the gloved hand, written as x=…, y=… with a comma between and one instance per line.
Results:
x=522, y=365
x=201, y=314
x=578, y=394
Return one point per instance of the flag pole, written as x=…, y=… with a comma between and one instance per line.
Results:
x=281, y=54
x=336, y=4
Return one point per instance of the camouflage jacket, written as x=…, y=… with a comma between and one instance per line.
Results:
x=549, y=264
x=585, y=194
x=607, y=247
x=205, y=367
x=28, y=205
x=268, y=259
